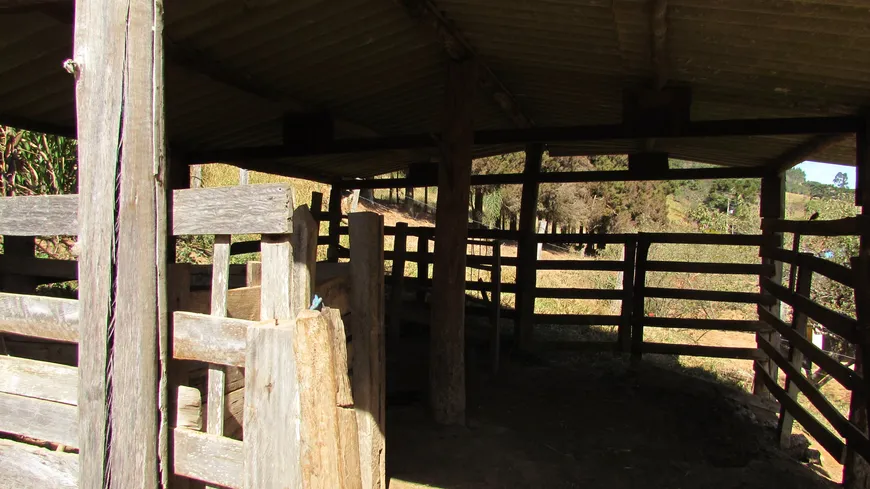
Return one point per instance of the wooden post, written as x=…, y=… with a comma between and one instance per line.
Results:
x=526, y=266
x=304, y=244
x=447, y=334
x=856, y=470
x=272, y=406
x=639, y=294
x=422, y=266
x=367, y=329
x=118, y=67
x=324, y=465
x=196, y=176
x=495, y=338
x=542, y=229
x=334, y=222
x=623, y=332
x=795, y=357
x=243, y=176
x=354, y=200
x=220, y=277
x=316, y=205
x=772, y=207
x=397, y=283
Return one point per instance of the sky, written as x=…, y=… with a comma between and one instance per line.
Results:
x=825, y=172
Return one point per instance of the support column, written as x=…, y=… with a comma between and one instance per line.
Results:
x=527, y=248
x=447, y=334
x=856, y=470
x=334, y=222
x=118, y=66
x=772, y=207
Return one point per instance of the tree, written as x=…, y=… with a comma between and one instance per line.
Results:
x=841, y=180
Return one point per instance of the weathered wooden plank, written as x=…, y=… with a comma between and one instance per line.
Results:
x=704, y=351
x=273, y=448
x=348, y=430
x=832, y=270
x=835, y=227
x=821, y=434
x=566, y=293
x=334, y=214
x=242, y=303
x=719, y=268
x=704, y=238
x=367, y=331
x=40, y=317
x=39, y=215
x=639, y=294
x=304, y=244
x=605, y=265
x=41, y=380
x=216, y=373
x=578, y=319
x=275, y=292
x=772, y=206
x=40, y=419
x=705, y=295
x=838, y=323
x=831, y=366
x=25, y=466
x=188, y=408
x=830, y=412
x=209, y=458
x=795, y=359
x=253, y=271
x=623, y=333
x=210, y=339
x=318, y=427
x=579, y=345
x=748, y=326
x=243, y=209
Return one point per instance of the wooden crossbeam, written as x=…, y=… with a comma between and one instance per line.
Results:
x=805, y=150
x=531, y=135
x=456, y=45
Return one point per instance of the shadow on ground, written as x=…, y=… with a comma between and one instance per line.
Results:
x=589, y=421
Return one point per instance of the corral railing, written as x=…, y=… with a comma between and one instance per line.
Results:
x=45, y=422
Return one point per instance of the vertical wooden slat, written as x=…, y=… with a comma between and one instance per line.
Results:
x=367, y=329
x=495, y=336
x=272, y=446
x=624, y=329
x=253, y=272
x=118, y=67
x=272, y=406
x=348, y=431
x=795, y=357
x=772, y=207
x=334, y=222
x=526, y=248
x=217, y=373
x=639, y=294
x=397, y=283
x=422, y=266
x=304, y=243
x=447, y=334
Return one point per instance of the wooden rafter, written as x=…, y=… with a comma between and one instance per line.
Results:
x=805, y=150
x=659, y=43
x=697, y=129
x=457, y=47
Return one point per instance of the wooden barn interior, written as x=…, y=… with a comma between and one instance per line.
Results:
x=129, y=385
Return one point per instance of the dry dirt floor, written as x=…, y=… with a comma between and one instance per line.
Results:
x=586, y=422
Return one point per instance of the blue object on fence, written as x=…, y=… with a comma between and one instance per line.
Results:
x=316, y=303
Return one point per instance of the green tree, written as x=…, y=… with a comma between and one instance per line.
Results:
x=841, y=180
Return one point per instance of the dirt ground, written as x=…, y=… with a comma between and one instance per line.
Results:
x=590, y=422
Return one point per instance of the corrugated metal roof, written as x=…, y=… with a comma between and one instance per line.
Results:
x=380, y=72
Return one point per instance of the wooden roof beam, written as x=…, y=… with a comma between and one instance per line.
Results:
x=457, y=47
x=659, y=43
x=805, y=150
x=698, y=129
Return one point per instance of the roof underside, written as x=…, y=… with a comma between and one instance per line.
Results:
x=234, y=68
